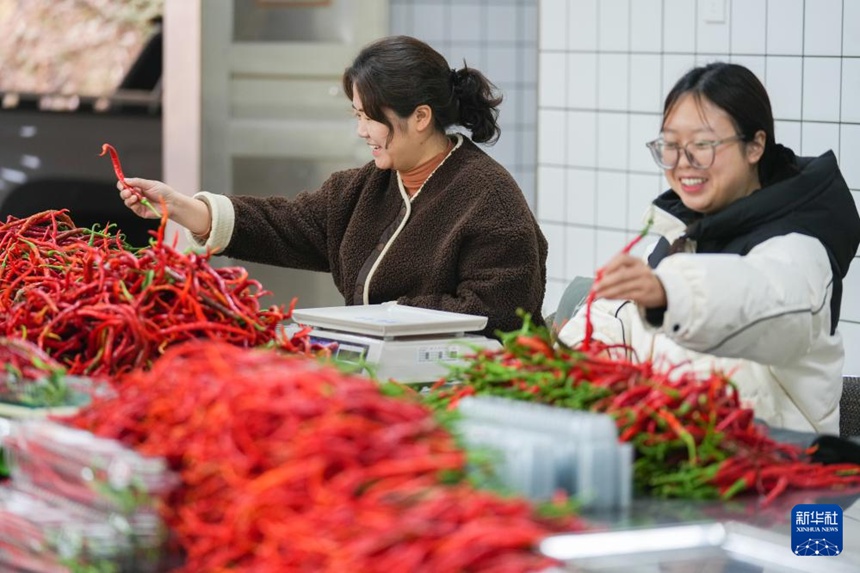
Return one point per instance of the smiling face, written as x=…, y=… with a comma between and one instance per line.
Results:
x=733, y=174
x=375, y=133
x=397, y=149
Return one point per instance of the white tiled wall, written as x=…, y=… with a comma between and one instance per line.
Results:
x=605, y=67
x=499, y=38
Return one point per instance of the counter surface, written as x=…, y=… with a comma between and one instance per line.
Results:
x=737, y=536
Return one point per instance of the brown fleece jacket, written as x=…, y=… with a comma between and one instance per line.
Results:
x=470, y=245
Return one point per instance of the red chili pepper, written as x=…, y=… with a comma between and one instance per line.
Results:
x=740, y=417
x=117, y=168
x=535, y=344
x=589, y=301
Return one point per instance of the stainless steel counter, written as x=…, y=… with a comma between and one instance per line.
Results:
x=732, y=537
x=737, y=536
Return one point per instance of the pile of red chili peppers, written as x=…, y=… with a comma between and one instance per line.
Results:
x=101, y=308
x=290, y=465
x=692, y=437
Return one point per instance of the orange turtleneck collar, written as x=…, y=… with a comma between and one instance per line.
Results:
x=415, y=177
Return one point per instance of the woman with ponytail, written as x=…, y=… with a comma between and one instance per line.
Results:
x=746, y=276
x=432, y=221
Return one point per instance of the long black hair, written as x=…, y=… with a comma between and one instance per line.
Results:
x=737, y=91
x=400, y=73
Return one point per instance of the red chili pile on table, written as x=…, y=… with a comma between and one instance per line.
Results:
x=692, y=437
x=289, y=465
x=100, y=308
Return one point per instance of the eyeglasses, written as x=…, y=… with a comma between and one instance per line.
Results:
x=700, y=154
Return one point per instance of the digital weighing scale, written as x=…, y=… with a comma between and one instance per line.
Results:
x=396, y=342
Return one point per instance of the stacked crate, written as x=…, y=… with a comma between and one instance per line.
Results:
x=540, y=450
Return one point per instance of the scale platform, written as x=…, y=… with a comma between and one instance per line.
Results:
x=407, y=344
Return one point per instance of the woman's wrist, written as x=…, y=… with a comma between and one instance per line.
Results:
x=194, y=215
x=203, y=217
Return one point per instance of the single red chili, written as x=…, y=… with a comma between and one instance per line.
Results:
x=589, y=301
x=117, y=168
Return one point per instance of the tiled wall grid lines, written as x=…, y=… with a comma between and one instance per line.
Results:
x=499, y=38
x=604, y=69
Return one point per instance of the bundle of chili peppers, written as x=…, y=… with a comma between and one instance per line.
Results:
x=26, y=361
x=290, y=465
x=101, y=308
x=30, y=376
x=693, y=438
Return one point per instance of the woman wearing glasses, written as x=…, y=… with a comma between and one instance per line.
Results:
x=747, y=274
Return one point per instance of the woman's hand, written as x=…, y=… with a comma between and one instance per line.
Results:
x=626, y=277
x=153, y=191
x=191, y=213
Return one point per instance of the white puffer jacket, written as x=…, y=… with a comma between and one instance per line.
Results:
x=764, y=318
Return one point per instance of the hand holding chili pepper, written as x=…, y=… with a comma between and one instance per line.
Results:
x=191, y=213
x=123, y=184
x=138, y=201
x=626, y=277
x=589, y=301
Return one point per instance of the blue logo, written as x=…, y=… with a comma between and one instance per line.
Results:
x=816, y=530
